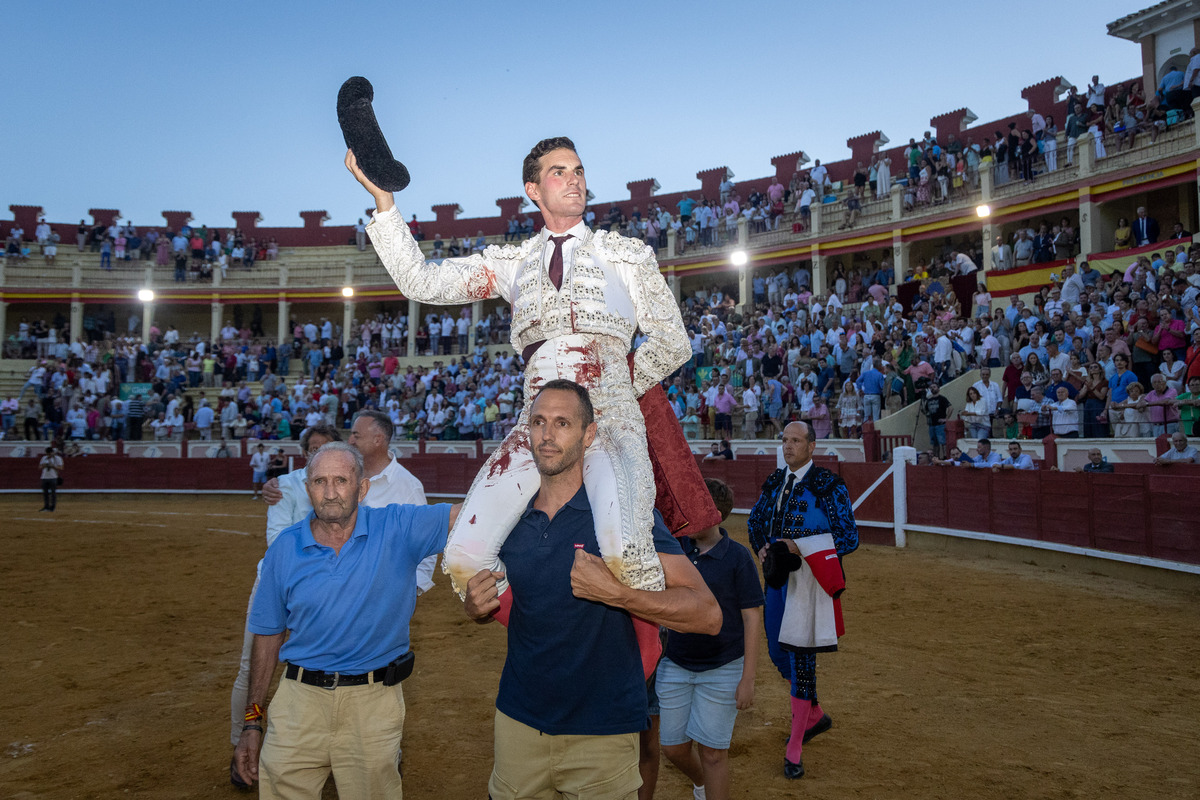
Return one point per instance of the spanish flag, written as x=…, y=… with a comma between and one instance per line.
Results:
x=1120, y=260
x=1023, y=280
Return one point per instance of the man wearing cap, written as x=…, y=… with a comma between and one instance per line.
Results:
x=339, y=588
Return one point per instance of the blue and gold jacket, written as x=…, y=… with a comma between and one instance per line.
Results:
x=819, y=504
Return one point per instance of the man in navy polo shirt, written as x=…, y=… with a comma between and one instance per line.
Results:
x=341, y=587
x=572, y=694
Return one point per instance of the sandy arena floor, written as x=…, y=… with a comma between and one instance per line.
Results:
x=957, y=679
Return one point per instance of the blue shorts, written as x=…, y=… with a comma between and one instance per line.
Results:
x=259, y=477
x=699, y=706
x=937, y=434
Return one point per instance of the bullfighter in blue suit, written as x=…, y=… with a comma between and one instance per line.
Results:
x=801, y=527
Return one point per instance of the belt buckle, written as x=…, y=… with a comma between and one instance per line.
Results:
x=334, y=683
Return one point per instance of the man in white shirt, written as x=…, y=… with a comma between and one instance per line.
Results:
x=989, y=390
x=1064, y=414
x=963, y=263
x=259, y=462
x=943, y=354
x=989, y=349
x=750, y=407
x=819, y=176
x=1072, y=287
x=360, y=235
x=1095, y=95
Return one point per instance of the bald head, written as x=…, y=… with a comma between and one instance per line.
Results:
x=799, y=441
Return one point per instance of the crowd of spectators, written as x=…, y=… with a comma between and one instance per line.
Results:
x=193, y=252
x=1092, y=355
x=241, y=386
x=1095, y=356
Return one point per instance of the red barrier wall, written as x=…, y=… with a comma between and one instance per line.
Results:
x=1148, y=512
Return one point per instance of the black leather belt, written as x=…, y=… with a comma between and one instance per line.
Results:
x=390, y=675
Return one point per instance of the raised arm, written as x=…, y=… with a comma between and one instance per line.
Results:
x=453, y=281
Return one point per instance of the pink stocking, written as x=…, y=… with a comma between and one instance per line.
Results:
x=814, y=716
x=800, y=712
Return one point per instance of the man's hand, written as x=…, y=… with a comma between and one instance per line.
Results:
x=482, y=598
x=271, y=492
x=383, y=200
x=744, y=694
x=592, y=580
x=246, y=755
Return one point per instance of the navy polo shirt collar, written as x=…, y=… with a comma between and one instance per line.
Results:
x=579, y=502
x=718, y=550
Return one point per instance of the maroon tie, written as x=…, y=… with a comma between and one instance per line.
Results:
x=556, y=260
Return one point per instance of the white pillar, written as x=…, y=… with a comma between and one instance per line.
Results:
x=217, y=317
x=743, y=227
x=745, y=289
x=147, y=317
x=1085, y=145
x=899, y=258
x=1091, y=230
x=282, y=325
x=476, y=318
x=989, y=236
x=76, y=319
x=673, y=283
x=414, y=320
x=671, y=245
x=815, y=216
x=901, y=458
x=820, y=278
x=347, y=318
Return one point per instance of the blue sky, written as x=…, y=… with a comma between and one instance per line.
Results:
x=229, y=106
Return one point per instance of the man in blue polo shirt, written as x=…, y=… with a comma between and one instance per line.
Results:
x=340, y=587
x=572, y=695
x=870, y=385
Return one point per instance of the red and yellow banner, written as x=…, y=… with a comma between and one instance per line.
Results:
x=1023, y=280
x=1120, y=260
